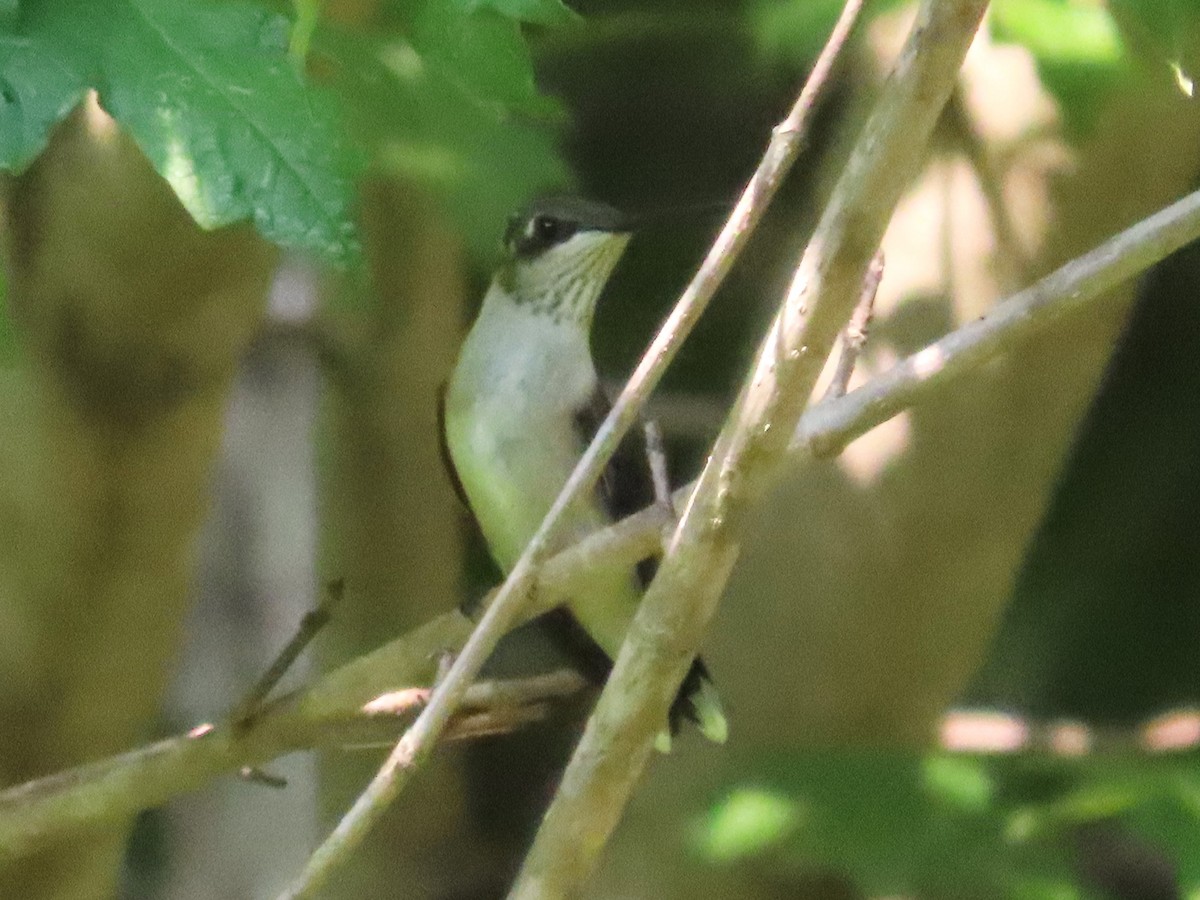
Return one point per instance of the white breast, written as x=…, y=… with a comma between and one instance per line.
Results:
x=510, y=418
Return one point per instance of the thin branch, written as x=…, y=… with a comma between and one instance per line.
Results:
x=35, y=814
x=38, y=812
x=854, y=335
x=255, y=775
x=354, y=825
x=656, y=453
x=829, y=427
x=513, y=594
x=656, y=458
x=310, y=627
x=749, y=453
x=489, y=707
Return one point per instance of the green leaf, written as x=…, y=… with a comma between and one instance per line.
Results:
x=897, y=823
x=429, y=129
x=38, y=87
x=308, y=14
x=1055, y=31
x=536, y=12
x=959, y=781
x=795, y=30
x=210, y=97
x=208, y=94
x=481, y=51
x=746, y=822
x=1096, y=802
x=1161, y=32
x=1077, y=46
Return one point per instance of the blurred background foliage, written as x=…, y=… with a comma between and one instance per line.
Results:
x=185, y=458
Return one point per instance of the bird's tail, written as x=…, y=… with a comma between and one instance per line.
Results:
x=697, y=701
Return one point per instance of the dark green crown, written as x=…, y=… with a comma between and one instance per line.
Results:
x=549, y=221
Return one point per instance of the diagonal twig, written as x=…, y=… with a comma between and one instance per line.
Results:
x=828, y=427
x=748, y=454
x=854, y=335
x=310, y=626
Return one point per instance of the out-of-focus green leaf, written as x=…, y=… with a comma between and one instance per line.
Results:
x=746, y=822
x=1061, y=32
x=1162, y=33
x=308, y=13
x=1077, y=47
x=1094, y=802
x=960, y=781
x=792, y=30
x=428, y=128
x=1039, y=888
x=537, y=12
x=796, y=30
x=478, y=49
x=1171, y=823
x=901, y=824
x=875, y=816
x=208, y=93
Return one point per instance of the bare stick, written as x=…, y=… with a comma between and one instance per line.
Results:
x=255, y=775
x=828, y=427
x=310, y=626
x=656, y=458
x=748, y=454
x=371, y=803
x=854, y=335
x=39, y=812
x=498, y=706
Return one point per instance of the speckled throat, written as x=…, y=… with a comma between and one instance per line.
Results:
x=565, y=282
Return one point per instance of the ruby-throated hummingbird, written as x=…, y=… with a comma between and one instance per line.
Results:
x=523, y=403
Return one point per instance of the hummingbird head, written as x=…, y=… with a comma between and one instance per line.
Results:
x=561, y=253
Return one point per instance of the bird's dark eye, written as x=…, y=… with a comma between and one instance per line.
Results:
x=544, y=229
x=538, y=233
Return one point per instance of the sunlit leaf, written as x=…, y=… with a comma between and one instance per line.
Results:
x=1055, y=31
x=1077, y=47
x=208, y=93
x=1162, y=33
x=746, y=822
x=960, y=781
x=899, y=824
